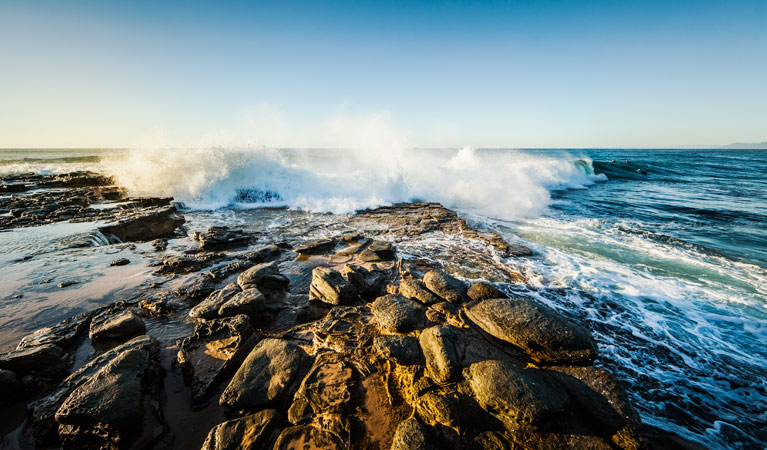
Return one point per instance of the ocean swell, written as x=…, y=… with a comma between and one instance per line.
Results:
x=505, y=184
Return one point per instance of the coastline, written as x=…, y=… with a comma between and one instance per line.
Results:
x=352, y=345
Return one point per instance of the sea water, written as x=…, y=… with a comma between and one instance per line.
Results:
x=662, y=253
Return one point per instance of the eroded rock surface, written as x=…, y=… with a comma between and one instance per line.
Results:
x=252, y=432
x=115, y=325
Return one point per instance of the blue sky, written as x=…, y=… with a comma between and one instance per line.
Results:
x=486, y=74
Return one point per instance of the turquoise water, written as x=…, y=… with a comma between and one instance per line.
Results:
x=664, y=257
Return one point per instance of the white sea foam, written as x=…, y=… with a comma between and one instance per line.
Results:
x=504, y=184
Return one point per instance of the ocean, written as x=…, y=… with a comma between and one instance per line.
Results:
x=662, y=253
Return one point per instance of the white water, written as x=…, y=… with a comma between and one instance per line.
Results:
x=508, y=184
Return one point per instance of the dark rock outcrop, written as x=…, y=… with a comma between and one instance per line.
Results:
x=114, y=325
x=538, y=330
x=404, y=350
x=145, y=225
x=445, y=286
x=328, y=286
x=413, y=288
x=317, y=247
x=484, y=291
x=516, y=395
x=214, y=351
x=266, y=377
x=117, y=407
x=252, y=432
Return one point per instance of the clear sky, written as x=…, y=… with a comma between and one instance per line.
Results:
x=292, y=73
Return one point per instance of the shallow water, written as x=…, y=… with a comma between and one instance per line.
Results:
x=668, y=268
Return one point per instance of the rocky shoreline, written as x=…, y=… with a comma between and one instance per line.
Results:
x=341, y=342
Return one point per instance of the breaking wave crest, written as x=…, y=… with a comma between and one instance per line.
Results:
x=506, y=184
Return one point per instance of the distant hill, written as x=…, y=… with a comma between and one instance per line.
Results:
x=746, y=146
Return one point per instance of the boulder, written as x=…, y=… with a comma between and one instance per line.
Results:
x=484, y=291
x=445, y=286
x=249, y=301
x=116, y=325
x=258, y=275
x=539, y=331
x=119, y=262
x=40, y=426
x=520, y=396
x=416, y=289
x=117, y=407
x=412, y=435
x=208, y=308
x=317, y=247
x=397, y=314
x=252, y=432
x=378, y=251
x=604, y=402
x=307, y=437
x=404, y=350
x=196, y=287
x=368, y=283
x=214, y=351
x=267, y=377
x=158, y=307
x=437, y=409
x=328, y=286
x=46, y=359
x=443, y=348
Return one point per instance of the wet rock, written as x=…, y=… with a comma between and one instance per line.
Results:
x=64, y=334
x=484, y=291
x=180, y=265
x=353, y=246
x=266, y=377
x=368, y=283
x=41, y=359
x=13, y=188
x=116, y=325
x=145, y=225
x=252, y=432
x=538, y=330
x=256, y=276
x=40, y=426
x=442, y=346
x=249, y=301
x=326, y=389
x=67, y=283
x=218, y=238
x=519, y=250
x=117, y=407
x=413, y=288
x=119, y=262
x=445, y=286
x=328, y=286
x=516, y=395
x=412, y=435
x=317, y=247
x=604, y=401
x=398, y=314
x=378, y=251
x=404, y=350
x=155, y=307
x=214, y=351
x=307, y=437
x=196, y=287
x=208, y=308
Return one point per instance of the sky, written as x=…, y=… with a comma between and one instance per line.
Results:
x=290, y=73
